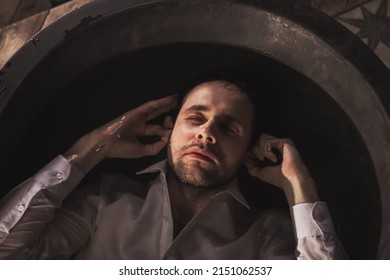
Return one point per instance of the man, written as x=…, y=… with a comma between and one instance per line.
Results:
x=193, y=209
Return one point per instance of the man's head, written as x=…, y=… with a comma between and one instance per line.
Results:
x=212, y=133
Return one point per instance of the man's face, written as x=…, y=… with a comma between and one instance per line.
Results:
x=211, y=135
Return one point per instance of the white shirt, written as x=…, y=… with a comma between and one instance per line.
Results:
x=122, y=219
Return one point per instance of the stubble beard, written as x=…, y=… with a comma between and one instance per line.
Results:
x=194, y=174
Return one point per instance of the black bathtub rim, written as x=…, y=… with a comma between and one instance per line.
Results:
x=354, y=51
x=98, y=10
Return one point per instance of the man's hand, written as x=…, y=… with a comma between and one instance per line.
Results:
x=291, y=174
x=120, y=137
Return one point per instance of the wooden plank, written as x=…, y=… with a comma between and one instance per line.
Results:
x=330, y=7
x=15, y=35
x=28, y=8
x=7, y=11
x=354, y=3
x=62, y=10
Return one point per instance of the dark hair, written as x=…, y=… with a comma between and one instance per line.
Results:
x=228, y=81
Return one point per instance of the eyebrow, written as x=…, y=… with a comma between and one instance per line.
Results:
x=197, y=108
x=203, y=108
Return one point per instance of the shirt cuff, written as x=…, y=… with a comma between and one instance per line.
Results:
x=312, y=219
x=58, y=178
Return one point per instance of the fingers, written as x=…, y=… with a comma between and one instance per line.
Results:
x=168, y=123
x=265, y=145
x=154, y=148
x=268, y=146
x=250, y=159
x=154, y=108
x=139, y=116
x=146, y=111
x=254, y=170
x=154, y=129
x=162, y=131
x=157, y=130
x=290, y=170
x=263, y=148
x=268, y=174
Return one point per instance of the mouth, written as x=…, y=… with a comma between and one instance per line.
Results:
x=201, y=154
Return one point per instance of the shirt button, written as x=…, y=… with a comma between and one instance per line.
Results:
x=21, y=208
x=59, y=175
x=165, y=218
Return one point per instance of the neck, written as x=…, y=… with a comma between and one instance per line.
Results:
x=187, y=200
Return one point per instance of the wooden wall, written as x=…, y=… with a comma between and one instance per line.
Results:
x=14, y=35
x=21, y=19
x=15, y=10
x=336, y=7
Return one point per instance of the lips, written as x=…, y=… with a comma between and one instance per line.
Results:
x=201, y=154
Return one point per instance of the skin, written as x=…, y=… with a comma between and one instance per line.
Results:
x=210, y=138
x=119, y=138
x=207, y=145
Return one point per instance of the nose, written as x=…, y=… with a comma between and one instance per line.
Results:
x=207, y=134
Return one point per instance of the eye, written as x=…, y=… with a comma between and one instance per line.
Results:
x=196, y=119
x=228, y=129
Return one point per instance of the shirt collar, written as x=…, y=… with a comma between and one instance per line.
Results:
x=232, y=188
x=159, y=166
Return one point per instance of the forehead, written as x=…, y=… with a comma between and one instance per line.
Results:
x=219, y=98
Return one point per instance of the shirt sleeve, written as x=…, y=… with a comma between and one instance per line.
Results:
x=315, y=233
x=28, y=209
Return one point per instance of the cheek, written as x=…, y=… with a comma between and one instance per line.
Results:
x=179, y=138
x=183, y=132
x=236, y=149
